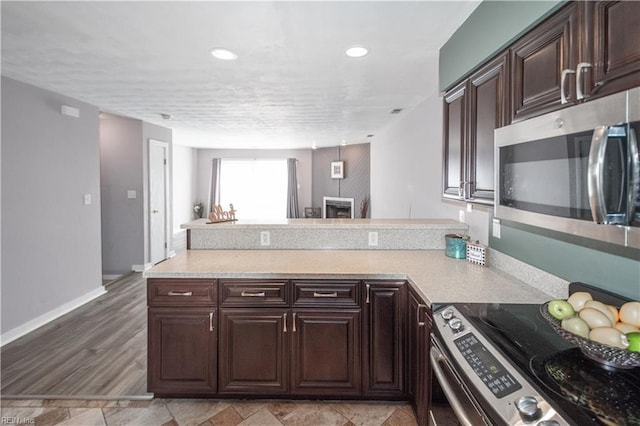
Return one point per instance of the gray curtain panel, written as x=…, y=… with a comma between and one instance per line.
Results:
x=292, y=190
x=214, y=185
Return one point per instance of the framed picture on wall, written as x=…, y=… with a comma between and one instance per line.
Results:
x=337, y=169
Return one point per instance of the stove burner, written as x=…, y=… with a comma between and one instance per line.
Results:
x=613, y=397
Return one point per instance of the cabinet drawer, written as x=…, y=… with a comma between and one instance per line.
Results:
x=326, y=293
x=254, y=293
x=180, y=292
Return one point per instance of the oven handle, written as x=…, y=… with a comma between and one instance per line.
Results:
x=634, y=173
x=456, y=405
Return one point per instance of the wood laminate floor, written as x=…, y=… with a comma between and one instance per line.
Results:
x=97, y=350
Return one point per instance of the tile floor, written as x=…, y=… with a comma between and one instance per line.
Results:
x=182, y=412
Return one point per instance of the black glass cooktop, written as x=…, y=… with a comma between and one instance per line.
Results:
x=581, y=389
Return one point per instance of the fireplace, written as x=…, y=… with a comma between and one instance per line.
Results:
x=337, y=208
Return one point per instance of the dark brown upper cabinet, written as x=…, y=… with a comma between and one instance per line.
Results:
x=543, y=65
x=611, y=45
x=584, y=51
x=472, y=111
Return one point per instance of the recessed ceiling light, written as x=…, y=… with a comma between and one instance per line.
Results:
x=224, y=54
x=356, y=51
x=344, y=143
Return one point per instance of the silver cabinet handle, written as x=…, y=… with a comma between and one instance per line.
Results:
x=180, y=293
x=563, y=77
x=368, y=291
x=319, y=294
x=210, y=321
x=154, y=211
x=579, y=70
x=284, y=320
x=420, y=323
x=253, y=294
x=293, y=325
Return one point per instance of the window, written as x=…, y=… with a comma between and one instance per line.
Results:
x=256, y=188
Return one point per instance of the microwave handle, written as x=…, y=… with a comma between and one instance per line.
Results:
x=595, y=171
x=634, y=174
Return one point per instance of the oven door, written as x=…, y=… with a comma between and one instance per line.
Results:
x=466, y=409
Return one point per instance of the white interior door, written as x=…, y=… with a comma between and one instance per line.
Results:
x=158, y=185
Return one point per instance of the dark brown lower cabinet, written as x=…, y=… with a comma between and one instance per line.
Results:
x=384, y=338
x=418, y=347
x=182, y=351
x=325, y=352
x=254, y=348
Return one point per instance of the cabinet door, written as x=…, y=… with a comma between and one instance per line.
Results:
x=537, y=62
x=182, y=351
x=253, y=351
x=454, y=137
x=419, y=344
x=384, y=337
x=326, y=352
x=612, y=46
x=487, y=111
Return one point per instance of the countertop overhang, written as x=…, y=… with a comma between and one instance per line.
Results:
x=439, y=279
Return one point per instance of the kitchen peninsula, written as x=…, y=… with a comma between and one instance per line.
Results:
x=317, y=313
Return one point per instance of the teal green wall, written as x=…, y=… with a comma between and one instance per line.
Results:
x=619, y=273
x=489, y=29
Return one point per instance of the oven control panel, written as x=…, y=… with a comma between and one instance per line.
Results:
x=488, y=375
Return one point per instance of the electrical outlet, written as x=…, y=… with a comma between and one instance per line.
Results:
x=265, y=238
x=373, y=239
x=496, y=228
x=461, y=216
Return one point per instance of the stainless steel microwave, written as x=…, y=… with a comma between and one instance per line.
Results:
x=575, y=170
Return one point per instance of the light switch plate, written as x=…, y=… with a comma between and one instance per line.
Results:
x=131, y=194
x=87, y=199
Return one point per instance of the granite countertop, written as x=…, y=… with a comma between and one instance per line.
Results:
x=328, y=223
x=439, y=279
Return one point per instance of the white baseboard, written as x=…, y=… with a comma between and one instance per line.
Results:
x=38, y=322
x=141, y=268
x=111, y=277
x=171, y=254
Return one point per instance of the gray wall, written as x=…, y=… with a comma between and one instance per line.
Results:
x=121, y=159
x=356, y=183
x=50, y=239
x=490, y=28
x=302, y=155
x=124, y=158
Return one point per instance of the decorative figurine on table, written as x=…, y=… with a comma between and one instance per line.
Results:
x=219, y=215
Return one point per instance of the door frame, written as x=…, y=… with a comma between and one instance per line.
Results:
x=167, y=225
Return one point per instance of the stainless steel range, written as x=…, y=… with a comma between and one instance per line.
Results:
x=504, y=364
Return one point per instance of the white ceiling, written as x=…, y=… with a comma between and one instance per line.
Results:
x=291, y=86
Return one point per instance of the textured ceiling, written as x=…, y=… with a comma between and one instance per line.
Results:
x=291, y=86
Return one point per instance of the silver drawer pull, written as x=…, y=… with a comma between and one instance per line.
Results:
x=253, y=294
x=180, y=293
x=317, y=294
